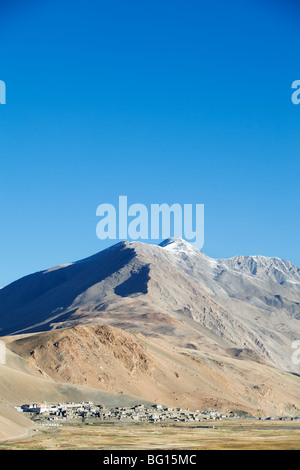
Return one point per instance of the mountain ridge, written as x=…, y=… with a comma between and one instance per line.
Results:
x=243, y=302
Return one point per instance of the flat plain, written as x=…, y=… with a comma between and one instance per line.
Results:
x=243, y=434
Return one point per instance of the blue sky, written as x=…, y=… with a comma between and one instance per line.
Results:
x=162, y=101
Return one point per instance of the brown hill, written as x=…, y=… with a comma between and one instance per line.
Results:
x=86, y=355
x=22, y=382
x=109, y=359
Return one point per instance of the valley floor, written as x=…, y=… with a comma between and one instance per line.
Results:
x=224, y=435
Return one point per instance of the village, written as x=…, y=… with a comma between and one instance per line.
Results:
x=89, y=413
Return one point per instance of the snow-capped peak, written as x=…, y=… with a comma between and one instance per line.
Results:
x=176, y=243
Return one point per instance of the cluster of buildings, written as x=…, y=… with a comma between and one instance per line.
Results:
x=87, y=411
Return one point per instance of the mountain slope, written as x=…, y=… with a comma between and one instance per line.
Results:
x=172, y=291
x=22, y=381
x=109, y=359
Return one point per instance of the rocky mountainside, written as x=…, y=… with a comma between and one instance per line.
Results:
x=110, y=360
x=244, y=305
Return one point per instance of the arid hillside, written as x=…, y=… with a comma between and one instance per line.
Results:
x=109, y=359
x=172, y=291
x=164, y=324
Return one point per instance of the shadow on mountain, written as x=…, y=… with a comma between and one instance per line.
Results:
x=47, y=294
x=136, y=284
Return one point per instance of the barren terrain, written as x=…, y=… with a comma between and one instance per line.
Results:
x=161, y=324
x=241, y=435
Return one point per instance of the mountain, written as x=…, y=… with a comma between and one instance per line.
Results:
x=172, y=290
x=22, y=381
x=153, y=323
x=110, y=360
